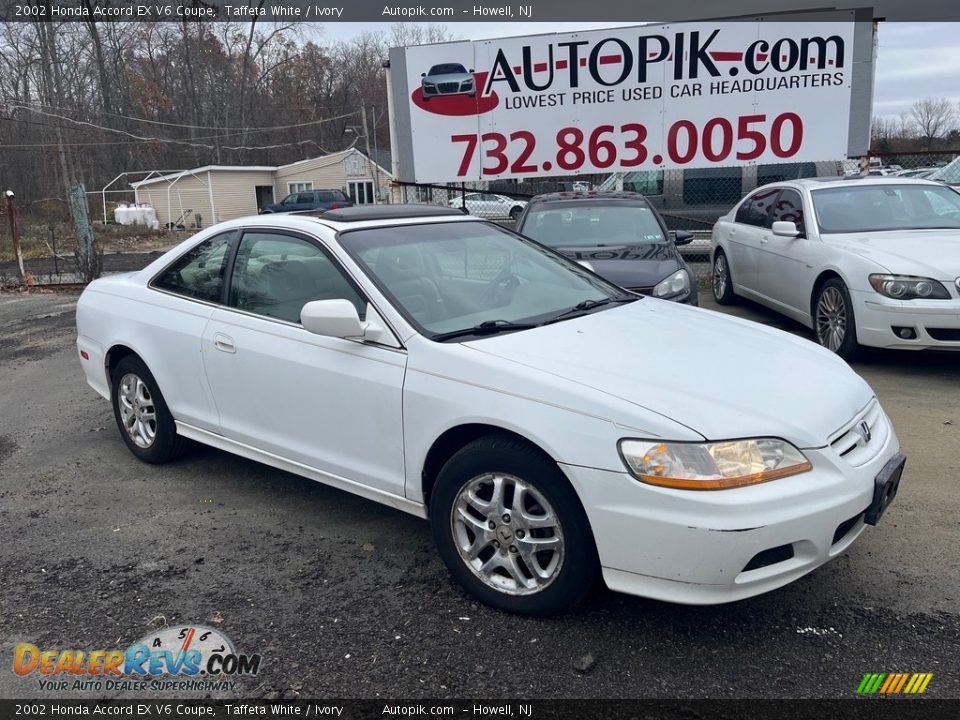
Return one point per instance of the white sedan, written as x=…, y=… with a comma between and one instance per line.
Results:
x=862, y=261
x=490, y=206
x=536, y=414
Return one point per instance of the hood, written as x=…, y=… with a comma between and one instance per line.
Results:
x=930, y=253
x=630, y=266
x=723, y=377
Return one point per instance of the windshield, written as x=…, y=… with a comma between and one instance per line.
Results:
x=866, y=208
x=447, y=277
x=582, y=225
x=447, y=69
x=948, y=174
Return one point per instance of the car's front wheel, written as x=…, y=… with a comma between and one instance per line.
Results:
x=722, y=280
x=834, y=321
x=511, y=529
x=145, y=422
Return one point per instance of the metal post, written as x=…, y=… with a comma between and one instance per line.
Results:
x=53, y=248
x=463, y=197
x=370, y=164
x=392, y=125
x=15, y=232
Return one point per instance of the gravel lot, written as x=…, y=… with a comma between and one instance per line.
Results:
x=346, y=598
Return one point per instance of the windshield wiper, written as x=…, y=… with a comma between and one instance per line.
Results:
x=487, y=327
x=586, y=305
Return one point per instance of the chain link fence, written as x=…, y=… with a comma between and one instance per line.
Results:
x=688, y=200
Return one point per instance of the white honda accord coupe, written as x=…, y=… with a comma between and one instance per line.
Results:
x=861, y=261
x=540, y=417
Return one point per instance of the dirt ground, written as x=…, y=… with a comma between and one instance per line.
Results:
x=347, y=598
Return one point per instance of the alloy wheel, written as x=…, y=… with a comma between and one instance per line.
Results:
x=719, y=276
x=137, y=412
x=831, y=319
x=507, y=533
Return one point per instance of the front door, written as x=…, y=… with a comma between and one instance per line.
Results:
x=264, y=196
x=787, y=268
x=328, y=403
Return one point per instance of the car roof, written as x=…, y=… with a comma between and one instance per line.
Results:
x=833, y=182
x=574, y=195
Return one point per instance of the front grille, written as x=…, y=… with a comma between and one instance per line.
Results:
x=845, y=527
x=769, y=557
x=855, y=445
x=449, y=87
x=944, y=334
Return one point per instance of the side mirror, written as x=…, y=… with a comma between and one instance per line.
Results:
x=682, y=237
x=586, y=264
x=423, y=74
x=332, y=318
x=785, y=228
x=471, y=69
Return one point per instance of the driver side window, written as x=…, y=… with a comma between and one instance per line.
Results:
x=276, y=275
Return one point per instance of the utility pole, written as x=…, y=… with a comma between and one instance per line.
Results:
x=372, y=165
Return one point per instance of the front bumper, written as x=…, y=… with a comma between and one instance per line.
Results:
x=714, y=547
x=935, y=323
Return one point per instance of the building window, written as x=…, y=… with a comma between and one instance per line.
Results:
x=422, y=194
x=360, y=192
x=293, y=187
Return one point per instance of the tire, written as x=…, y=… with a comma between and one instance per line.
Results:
x=515, y=213
x=139, y=406
x=722, y=280
x=834, y=323
x=499, y=565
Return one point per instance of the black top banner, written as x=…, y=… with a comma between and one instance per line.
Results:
x=450, y=11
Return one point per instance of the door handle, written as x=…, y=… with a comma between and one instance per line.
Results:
x=224, y=343
x=764, y=240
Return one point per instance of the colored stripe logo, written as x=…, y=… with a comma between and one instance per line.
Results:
x=894, y=683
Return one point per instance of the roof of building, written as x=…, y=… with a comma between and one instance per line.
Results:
x=258, y=168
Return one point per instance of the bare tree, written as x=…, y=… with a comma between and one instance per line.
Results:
x=934, y=117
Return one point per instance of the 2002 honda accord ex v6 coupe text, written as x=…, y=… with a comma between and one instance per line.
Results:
x=543, y=419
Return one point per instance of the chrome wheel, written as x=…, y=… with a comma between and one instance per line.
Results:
x=720, y=276
x=137, y=412
x=507, y=533
x=831, y=319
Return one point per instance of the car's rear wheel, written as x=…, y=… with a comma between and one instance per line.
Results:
x=511, y=530
x=722, y=280
x=145, y=422
x=834, y=321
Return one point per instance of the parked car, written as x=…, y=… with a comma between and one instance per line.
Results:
x=543, y=419
x=867, y=261
x=948, y=174
x=621, y=237
x=310, y=200
x=447, y=79
x=489, y=205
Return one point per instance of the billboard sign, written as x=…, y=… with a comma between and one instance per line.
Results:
x=688, y=95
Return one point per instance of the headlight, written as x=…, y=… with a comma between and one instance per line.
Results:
x=712, y=466
x=676, y=284
x=908, y=287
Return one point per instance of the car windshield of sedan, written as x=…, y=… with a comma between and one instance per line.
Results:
x=593, y=225
x=447, y=69
x=449, y=278
x=874, y=208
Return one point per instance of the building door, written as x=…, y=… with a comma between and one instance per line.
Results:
x=264, y=196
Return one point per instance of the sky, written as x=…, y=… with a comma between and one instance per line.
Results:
x=914, y=60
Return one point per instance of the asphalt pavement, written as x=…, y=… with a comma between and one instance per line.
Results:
x=347, y=598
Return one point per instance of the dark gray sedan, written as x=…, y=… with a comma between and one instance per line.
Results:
x=618, y=235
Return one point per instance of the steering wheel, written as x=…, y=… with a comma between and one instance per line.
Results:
x=498, y=291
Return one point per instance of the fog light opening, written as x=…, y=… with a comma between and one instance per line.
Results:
x=905, y=333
